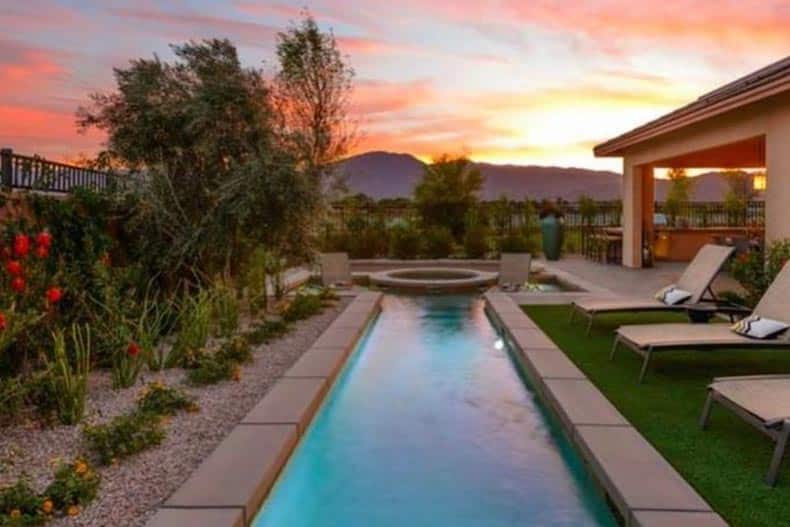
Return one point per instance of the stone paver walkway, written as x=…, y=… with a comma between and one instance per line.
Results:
x=631, y=282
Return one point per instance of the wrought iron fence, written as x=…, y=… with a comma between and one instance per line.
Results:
x=35, y=173
x=581, y=219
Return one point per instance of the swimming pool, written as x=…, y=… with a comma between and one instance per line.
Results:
x=431, y=424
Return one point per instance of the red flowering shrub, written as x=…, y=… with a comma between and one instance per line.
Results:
x=28, y=290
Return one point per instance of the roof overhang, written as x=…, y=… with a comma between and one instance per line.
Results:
x=766, y=82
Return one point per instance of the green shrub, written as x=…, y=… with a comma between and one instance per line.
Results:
x=124, y=436
x=12, y=399
x=70, y=377
x=225, y=309
x=41, y=392
x=476, y=241
x=437, y=242
x=127, y=363
x=149, y=329
x=404, y=242
x=370, y=242
x=21, y=506
x=756, y=270
x=194, y=327
x=516, y=243
x=236, y=349
x=301, y=307
x=75, y=484
x=211, y=370
x=160, y=399
x=267, y=330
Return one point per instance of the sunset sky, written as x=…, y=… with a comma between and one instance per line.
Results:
x=508, y=81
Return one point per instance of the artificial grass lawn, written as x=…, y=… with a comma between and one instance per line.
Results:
x=726, y=463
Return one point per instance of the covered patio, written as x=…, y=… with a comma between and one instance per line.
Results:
x=742, y=125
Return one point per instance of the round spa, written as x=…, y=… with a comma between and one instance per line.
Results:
x=433, y=279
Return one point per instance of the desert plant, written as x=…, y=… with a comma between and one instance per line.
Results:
x=267, y=330
x=194, y=327
x=124, y=436
x=404, y=242
x=225, y=309
x=75, y=485
x=211, y=370
x=127, y=363
x=21, y=506
x=12, y=399
x=302, y=306
x=437, y=242
x=160, y=399
x=255, y=280
x=148, y=329
x=236, y=349
x=70, y=377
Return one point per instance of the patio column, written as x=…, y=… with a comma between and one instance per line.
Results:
x=637, y=203
x=777, y=192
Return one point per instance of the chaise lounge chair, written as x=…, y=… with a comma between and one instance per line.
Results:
x=696, y=280
x=335, y=270
x=514, y=270
x=648, y=339
x=762, y=401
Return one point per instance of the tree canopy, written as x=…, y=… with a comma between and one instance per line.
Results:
x=448, y=189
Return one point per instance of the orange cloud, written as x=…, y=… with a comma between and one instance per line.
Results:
x=45, y=132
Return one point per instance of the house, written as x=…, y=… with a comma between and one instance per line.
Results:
x=744, y=124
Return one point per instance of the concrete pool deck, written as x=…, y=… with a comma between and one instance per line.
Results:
x=645, y=489
x=229, y=486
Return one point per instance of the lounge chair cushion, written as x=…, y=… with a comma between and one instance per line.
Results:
x=672, y=295
x=613, y=304
x=758, y=327
x=684, y=335
x=766, y=397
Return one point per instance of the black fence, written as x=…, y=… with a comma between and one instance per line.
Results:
x=35, y=173
x=514, y=214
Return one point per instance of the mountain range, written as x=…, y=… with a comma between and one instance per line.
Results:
x=391, y=175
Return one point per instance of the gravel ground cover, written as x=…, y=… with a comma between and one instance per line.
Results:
x=131, y=490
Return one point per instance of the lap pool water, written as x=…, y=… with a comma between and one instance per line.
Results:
x=431, y=424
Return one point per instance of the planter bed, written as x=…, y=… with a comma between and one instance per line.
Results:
x=131, y=490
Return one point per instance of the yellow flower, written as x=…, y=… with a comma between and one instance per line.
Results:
x=47, y=506
x=73, y=510
x=16, y=513
x=80, y=467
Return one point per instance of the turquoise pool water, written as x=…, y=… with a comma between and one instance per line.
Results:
x=431, y=424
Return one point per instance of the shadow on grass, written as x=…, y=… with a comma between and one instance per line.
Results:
x=726, y=463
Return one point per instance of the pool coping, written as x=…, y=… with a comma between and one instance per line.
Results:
x=229, y=486
x=640, y=483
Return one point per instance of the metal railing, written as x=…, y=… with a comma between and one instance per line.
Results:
x=35, y=173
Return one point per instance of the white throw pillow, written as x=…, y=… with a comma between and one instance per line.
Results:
x=757, y=327
x=671, y=295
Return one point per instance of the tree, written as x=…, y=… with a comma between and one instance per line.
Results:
x=201, y=131
x=449, y=188
x=312, y=91
x=739, y=192
x=680, y=190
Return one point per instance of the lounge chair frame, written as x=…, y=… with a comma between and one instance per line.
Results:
x=696, y=271
x=716, y=305
x=648, y=352
x=778, y=429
